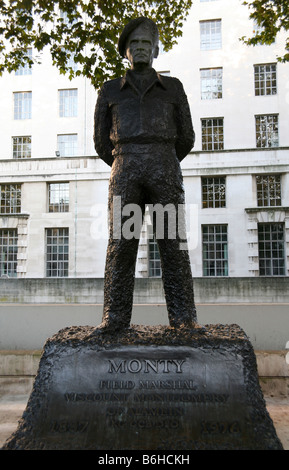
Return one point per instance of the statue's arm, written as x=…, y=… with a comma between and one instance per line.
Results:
x=186, y=135
x=102, y=126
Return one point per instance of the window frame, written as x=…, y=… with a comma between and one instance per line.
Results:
x=8, y=252
x=214, y=197
x=61, y=194
x=210, y=37
x=212, y=135
x=272, y=245
x=268, y=76
x=264, y=136
x=22, y=105
x=18, y=148
x=10, y=199
x=213, y=264
x=25, y=69
x=154, y=261
x=68, y=102
x=269, y=190
x=69, y=147
x=210, y=85
x=56, y=253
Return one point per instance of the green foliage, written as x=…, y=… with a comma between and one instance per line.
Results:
x=86, y=31
x=271, y=16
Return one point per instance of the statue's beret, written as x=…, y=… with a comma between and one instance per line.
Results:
x=128, y=29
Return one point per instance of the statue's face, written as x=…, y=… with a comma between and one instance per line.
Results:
x=140, y=47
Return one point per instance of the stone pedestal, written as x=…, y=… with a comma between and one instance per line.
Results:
x=151, y=388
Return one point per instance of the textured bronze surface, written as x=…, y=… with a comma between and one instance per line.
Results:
x=143, y=129
x=149, y=388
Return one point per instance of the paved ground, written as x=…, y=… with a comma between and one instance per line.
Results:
x=278, y=409
x=12, y=407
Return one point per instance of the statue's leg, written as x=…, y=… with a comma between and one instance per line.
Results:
x=166, y=189
x=119, y=283
x=124, y=232
x=178, y=283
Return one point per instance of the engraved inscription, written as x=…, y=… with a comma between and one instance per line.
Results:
x=182, y=397
x=220, y=427
x=166, y=384
x=146, y=423
x=64, y=426
x=135, y=366
x=145, y=417
x=116, y=384
x=176, y=411
x=95, y=397
x=145, y=390
x=143, y=397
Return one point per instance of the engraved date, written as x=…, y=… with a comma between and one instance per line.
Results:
x=220, y=427
x=64, y=426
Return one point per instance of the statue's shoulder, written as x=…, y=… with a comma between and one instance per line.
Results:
x=112, y=84
x=171, y=82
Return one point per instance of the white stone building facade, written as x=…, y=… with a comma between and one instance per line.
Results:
x=54, y=188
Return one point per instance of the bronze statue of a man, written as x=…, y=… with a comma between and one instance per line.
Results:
x=143, y=129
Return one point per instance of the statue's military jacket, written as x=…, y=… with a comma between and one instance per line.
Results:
x=130, y=121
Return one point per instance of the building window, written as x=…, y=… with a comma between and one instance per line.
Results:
x=211, y=84
x=25, y=69
x=58, y=195
x=67, y=145
x=215, y=250
x=23, y=105
x=68, y=103
x=21, y=147
x=57, y=246
x=154, y=259
x=265, y=79
x=71, y=62
x=214, y=192
x=271, y=249
x=211, y=35
x=8, y=252
x=10, y=198
x=267, y=134
x=268, y=190
x=213, y=134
